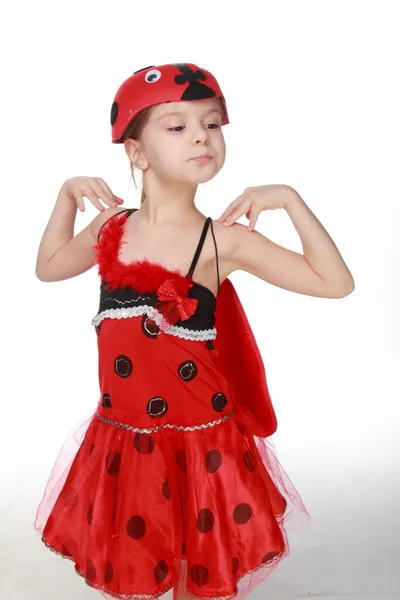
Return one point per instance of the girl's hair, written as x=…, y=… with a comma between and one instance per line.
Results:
x=135, y=128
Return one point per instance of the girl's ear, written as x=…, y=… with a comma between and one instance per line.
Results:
x=135, y=154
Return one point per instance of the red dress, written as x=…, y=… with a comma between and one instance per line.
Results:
x=173, y=464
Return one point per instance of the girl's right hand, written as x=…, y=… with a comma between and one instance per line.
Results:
x=94, y=188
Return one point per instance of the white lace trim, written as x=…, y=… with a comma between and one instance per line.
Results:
x=158, y=318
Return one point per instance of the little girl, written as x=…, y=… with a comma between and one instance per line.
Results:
x=172, y=487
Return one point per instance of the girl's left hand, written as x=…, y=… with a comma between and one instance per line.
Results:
x=254, y=200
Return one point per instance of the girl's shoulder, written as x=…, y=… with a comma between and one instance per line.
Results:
x=103, y=217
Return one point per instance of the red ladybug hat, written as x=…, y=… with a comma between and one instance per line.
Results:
x=157, y=85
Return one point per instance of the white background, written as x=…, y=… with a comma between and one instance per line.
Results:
x=313, y=99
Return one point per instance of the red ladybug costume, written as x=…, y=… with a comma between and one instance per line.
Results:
x=173, y=465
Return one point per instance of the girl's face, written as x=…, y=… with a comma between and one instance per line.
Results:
x=169, y=142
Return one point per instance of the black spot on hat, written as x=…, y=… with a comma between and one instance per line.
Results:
x=89, y=514
x=181, y=459
x=187, y=370
x=157, y=406
x=270, y=557
x=165, y=489
x=205, y=520
x=219, y=401
x=150, y=327
x=199, y=574
x=143, y=442
x=109, y=573
x=136, y=527
x=70, y=498
x=123, y=365
x=235, y=564
x=90, y=570
x=113, y=463
x=114, y=112
x=242, y=513
x=106, y=401
x=160, y=571
x=210, y=345
x=213, y=460
x=249, y=460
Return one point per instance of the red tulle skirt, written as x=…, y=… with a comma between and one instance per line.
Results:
x=135, y=511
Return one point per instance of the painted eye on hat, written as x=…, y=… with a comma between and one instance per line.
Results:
x=152, y=76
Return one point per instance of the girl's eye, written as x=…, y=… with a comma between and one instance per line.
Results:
x=181, y=126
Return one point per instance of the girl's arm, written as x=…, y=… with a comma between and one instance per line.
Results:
x=320, y=272
x=61, y=255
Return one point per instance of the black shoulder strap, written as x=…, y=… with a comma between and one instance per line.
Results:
x=118, y=213
x=216, y=253
x=200, y=246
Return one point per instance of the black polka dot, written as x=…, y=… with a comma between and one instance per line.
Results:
x=114, y=112
x=113, y=462
x=219, y=401
x=249, y=460
x=165, y=489
x=213, y=460
x=150, y=327
x=242, y=513
x=181, y=459
x=157, y=406
x=187, y=370
x=136, y=527
x=90, y=570
x=199, y=574
x=123, y=365
x=89, y=514
x=210, y=345
x=106, y=401
x=144, y=443
x=70, y=498
x=269, y=557
x=160, y=571
x=109, y=573
x=235, y=564
x=205, y=520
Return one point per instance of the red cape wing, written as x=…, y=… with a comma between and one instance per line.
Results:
x=240, y=361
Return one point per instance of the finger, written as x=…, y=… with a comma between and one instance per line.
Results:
x=93, y=196
x=228, y=211
x=240, y=211
x=106, y=196
x=79, y=201
x=104, y=185
x=254, y=212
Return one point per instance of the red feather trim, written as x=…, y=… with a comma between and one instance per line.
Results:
x=143, y=275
